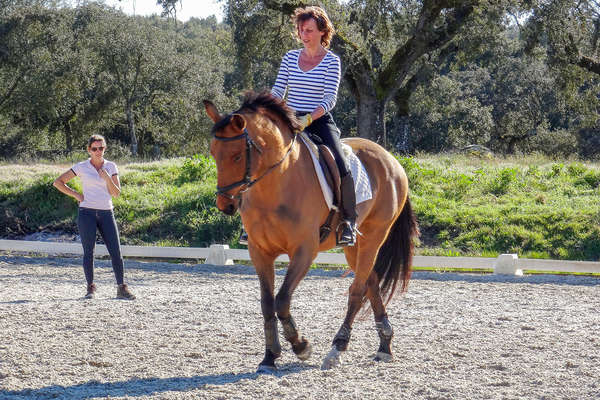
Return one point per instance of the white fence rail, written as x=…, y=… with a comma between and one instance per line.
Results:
x=222, y=255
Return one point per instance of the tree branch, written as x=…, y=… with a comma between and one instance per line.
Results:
x=425, y=39
x=589, y=64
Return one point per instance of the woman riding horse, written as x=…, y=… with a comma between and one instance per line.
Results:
x=266, y=173
x=309, y=78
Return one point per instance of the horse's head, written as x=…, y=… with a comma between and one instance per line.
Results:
x=229, y=154
x=248, y=144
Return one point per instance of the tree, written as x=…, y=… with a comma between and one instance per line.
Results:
x=381, y=43
x=569, y=33
x=570, y=30
x=49, y=72
x=140, y=61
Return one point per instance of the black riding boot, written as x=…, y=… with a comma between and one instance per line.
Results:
x=348, y=235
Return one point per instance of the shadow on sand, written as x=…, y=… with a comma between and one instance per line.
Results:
x=143, y=387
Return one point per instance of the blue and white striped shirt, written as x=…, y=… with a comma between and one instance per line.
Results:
x=308, y=90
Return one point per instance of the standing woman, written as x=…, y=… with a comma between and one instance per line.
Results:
x=100, y=180
x=309, y=79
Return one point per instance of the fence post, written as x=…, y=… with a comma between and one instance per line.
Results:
x=218, y=255
x=507, y=264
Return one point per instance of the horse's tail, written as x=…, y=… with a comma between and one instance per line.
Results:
x=394, y=260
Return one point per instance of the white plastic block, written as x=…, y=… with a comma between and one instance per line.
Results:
x=507, y=264
x=218, y=255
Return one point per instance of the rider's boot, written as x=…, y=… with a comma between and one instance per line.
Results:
x=347, y=236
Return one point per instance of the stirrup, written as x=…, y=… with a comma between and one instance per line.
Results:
x=345, y=241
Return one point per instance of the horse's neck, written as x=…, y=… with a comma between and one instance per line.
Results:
x=288, y=183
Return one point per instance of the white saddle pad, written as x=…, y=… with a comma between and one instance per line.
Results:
x=362, y=184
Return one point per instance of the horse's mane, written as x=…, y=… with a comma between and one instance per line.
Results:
x=255, y=100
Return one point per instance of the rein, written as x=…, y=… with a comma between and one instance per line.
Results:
x=247, y=181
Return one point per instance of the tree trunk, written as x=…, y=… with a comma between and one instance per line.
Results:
x=401, y=140
x=370, y=119
x=68, y=138
x=131, y=126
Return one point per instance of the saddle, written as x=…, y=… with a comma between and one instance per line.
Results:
x=332, y=176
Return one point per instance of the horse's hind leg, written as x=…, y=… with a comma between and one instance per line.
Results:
x=382, y=324
x=342, y=337
x=361, y=261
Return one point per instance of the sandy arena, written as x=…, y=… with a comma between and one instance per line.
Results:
x=195, y=332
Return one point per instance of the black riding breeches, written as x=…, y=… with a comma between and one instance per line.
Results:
x=326, y=129
x=89, y=222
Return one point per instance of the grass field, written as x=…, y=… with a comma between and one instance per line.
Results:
x=465, y=204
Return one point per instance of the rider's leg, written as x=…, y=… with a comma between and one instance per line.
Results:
x=326, y=129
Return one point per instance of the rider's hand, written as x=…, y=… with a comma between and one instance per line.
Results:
x=305, y=121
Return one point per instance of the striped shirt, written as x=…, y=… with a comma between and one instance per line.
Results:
x=308, y=90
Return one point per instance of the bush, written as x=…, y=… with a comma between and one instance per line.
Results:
x=557, y=143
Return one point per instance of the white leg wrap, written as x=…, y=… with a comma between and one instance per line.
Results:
x=332, y=359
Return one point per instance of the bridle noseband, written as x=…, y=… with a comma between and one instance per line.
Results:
x=247, y=181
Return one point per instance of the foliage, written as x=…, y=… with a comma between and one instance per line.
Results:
x=418, y=76
x=465, y=205
x=447, y=115
x=529, y=206
x=169, y=203
x=66, y=73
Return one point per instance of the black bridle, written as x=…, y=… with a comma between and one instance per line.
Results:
x=247, y=181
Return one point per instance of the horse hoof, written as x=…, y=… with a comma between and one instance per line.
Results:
x=385, y=357
x=332, y=359
x=305, y=353
x=266, y=369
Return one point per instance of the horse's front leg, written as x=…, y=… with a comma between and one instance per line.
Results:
x=265, y=270
x=297, y=269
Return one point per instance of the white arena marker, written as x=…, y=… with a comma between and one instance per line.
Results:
x=506, y=264
x=218, y=255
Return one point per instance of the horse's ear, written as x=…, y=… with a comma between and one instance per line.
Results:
x=238, y=122
x=212, y=111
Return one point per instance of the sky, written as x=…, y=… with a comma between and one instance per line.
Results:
x=185, y=10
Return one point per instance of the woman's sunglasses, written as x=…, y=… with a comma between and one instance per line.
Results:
x=97, y=148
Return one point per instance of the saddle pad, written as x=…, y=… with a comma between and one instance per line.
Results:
x=362, y=184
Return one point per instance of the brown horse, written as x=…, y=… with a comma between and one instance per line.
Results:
x=263, y=170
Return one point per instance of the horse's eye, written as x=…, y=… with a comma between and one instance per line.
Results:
x=237, y=158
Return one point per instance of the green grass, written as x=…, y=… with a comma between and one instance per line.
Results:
x=465, y=205
x=484, y=207
x=166, y=203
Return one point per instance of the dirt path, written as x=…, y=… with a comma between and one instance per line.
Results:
x=195, y=332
